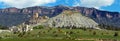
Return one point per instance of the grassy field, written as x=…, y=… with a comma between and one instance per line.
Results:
x=57, y=34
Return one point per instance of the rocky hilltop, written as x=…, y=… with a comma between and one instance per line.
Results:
x=72, y=19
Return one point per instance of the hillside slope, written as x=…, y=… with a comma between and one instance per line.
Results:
x=69, y=18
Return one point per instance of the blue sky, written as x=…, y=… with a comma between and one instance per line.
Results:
x=109, y=5
x=114, y=7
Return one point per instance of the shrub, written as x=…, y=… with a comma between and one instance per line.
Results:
x=55, y=35
x=70, y=32
x=20, y=35
x=94, y=33
x=38, y=27
x=0, y=37
x=54, y=32
x=3, y=27
x=102, y=34
x=116, y=34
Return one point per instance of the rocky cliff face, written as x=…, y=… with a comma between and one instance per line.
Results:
x=71, y=19
x=12, y=19
x=101, y=17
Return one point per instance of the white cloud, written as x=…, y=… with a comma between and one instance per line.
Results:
x=25, y=3
x=94, y=3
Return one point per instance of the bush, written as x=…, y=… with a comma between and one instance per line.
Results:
x=115, y=34
x=70, y=32
x=94, y=33
x=20, y=35
x=0, y=37
x=3, y=27
x=55, y=35
x=54, y=32
x=102, y=34
x=38, y=27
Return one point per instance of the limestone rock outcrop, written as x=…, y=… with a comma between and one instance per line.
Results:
x=69, y=18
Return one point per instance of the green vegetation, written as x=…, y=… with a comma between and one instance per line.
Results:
x=60, y=34
x=109, y=27
x=3, y=27
x=39, y=40
x=38, y=27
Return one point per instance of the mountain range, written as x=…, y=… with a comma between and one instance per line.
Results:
x=99, y=16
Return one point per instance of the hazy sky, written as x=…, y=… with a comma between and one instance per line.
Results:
x=109, y=5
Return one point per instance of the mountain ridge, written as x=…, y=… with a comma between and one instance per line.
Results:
x=101, y=17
